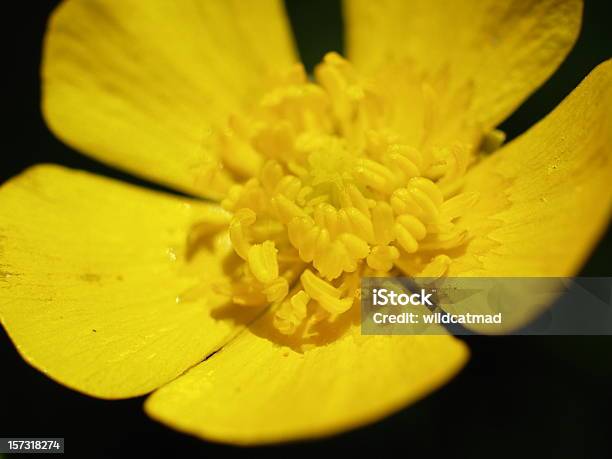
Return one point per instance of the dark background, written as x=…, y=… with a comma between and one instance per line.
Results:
x=518, y=396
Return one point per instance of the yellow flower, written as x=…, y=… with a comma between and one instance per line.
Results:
x=376, y=166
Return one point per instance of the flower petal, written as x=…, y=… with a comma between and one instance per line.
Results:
x=140, y=85
x=90, y=271
x=498, y=51
x=545, y=198
x=256, y=391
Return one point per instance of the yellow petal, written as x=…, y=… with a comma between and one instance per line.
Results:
x=257, y=391
x=546, y=198
x=90, y=272
x=493, y=53
x=141, y=84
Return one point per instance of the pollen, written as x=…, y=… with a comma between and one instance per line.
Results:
x=326, y=192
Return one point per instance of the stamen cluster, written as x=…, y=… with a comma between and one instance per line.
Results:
x=327, y=194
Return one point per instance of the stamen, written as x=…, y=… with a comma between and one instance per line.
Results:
x=326, y=192
x=263, y=262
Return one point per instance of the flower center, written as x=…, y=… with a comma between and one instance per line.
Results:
x=328, y=193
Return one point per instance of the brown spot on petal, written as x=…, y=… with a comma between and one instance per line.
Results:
x=89, y=277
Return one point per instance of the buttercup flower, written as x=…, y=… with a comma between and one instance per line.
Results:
x=241, y=313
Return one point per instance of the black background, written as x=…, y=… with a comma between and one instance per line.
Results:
x=517, y=397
